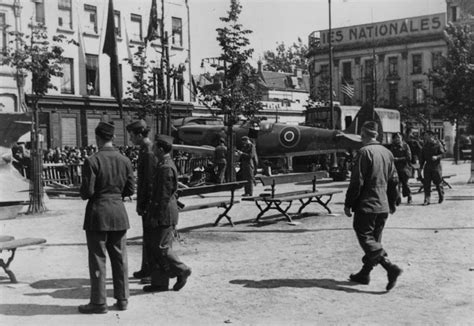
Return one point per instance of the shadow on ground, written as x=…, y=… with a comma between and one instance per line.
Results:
x=323, y=283
x=25, y=309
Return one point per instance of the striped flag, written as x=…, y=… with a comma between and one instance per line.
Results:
x=347, y=89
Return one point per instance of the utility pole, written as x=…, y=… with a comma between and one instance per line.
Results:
x=331, y=103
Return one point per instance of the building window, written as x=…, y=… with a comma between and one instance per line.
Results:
x=324, y=72
x=39, y=11
x=67, y=80
x=65, y=14
x=369, y=68
x=90, y=22
x=177, y=31
x=393, y=94
x=347, y=71
x=418, y=92
x=69, y=132
x=393, y=66
x=112, y=89
x=436, y=58
x=3, y=32
x=454, y=13
x=417, y=63
x=92, y=74
x=136, y=27
x=178, y=86
x=118, y=29
x=91, y=125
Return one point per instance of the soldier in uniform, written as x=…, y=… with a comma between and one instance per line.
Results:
x=161, y=221
x=146, y=167
x=220, y=154
x=430, y=162
x=402, y=155
x=248, y=164
x=371, y=195
x=107, y=178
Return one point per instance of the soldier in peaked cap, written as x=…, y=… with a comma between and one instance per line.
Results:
x=107, y=178
x=161, y=221
x=430, y=163
x=372, y=195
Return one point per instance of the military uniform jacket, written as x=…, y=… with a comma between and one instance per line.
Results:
x=402, y=155
x=429, y=150
x=374, y=179
x=220, y=154
x=249, y=155
x=107, y=178
x=145, y=171
x=163, y=208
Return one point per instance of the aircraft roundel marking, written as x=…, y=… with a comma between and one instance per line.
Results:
x=289, y=137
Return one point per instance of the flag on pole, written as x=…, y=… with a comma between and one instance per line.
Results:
x=110, y=48
x=153, y=33
x=347, y=89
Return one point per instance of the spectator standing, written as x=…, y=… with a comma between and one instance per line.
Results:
x=146, y=168
x=107, y=178
x=248, y=164
x=220, y=161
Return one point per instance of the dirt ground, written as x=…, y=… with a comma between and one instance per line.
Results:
x=270, y=273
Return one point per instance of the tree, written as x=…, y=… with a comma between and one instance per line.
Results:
x=41, y=57
x=239, y=94
x=455, y=76
x=286, y=59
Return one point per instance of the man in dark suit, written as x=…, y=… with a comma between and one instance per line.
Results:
x=372, y=194
x=146, y=167
x=107, y=178
x=161, y=221
x=430, y=163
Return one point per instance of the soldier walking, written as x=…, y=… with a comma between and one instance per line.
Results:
x=107, y=179
x=402, y=155
x=430, y=162
x=161, y=220
x=372, y=195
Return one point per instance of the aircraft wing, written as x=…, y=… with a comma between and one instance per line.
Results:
x=199, y=150
x=351, y=137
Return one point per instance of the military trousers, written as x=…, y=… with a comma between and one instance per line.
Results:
x=221, y=172
x=99, y=243
x=435, y=176
x=164, y=263
x=144, y=266
x=368, y=228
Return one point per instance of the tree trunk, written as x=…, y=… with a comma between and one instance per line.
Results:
x=36, y=180
x=471, y=179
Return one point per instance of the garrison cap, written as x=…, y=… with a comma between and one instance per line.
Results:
x=370, y=128
x=245, y=138
x=138, y=125
x=105, y=129
x=164, y=139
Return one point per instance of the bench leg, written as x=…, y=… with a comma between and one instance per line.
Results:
x=445, y=183
x=227, y=209
x=324, y=203
x=303, y=205
x=262, y=211
x=283, y=211
x=6, y=267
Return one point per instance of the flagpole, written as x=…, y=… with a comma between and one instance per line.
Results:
x=331, y=104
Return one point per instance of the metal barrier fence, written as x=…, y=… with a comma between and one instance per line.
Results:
x=70, y=174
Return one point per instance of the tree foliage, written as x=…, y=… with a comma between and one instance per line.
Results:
x=36, y=54
x=455, y=75
x=286, y=59
x=239, y=93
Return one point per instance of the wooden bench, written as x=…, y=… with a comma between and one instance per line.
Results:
x=272, y=200
x=10, y=244
x=201, y=190
x=443, y=181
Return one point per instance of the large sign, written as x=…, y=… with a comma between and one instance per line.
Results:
x=413, y=26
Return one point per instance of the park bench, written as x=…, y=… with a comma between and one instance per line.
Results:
x=202, y=190
x=11, y=244
x=444, y=182
x=272, y=200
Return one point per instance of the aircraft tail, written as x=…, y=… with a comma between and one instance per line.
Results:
x=366, y=113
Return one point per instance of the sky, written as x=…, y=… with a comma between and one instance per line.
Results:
x=276, y=21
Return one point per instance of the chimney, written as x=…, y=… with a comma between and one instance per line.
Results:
x=259, y=63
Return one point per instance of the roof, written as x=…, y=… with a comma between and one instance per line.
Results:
x=285, y=81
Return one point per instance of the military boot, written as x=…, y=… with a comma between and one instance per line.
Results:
x=363, y=276
x=393, y=272
x=427, y=201
x=440, y=194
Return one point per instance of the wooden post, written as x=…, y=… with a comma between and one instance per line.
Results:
x=471, y=179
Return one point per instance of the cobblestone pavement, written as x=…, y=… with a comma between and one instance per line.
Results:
x=260, y=274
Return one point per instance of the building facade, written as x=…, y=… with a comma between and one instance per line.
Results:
x=83, y=95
